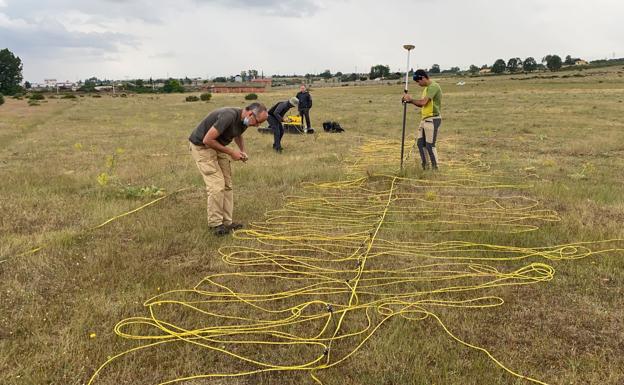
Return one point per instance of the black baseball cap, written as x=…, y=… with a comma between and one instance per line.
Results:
x=419, y=74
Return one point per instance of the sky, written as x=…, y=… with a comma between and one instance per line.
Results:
x=128, y=39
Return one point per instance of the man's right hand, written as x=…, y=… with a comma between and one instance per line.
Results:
x=237, y=155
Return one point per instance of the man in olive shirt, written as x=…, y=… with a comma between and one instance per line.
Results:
x=430, y=103
x=209, y=148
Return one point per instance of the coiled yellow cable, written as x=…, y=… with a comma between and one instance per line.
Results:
x=318, y=278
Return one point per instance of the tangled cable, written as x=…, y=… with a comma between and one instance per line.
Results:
x=318, y=277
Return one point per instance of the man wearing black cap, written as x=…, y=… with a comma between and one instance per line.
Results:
x=430, y=104
x=277, y=115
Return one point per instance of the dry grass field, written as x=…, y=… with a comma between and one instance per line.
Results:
x=477, y=250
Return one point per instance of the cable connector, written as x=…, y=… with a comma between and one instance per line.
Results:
x=326, y=352
x=330, y=308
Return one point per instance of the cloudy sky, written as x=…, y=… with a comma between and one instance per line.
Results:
x=77, y=39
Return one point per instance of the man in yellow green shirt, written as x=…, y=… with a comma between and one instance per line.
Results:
x=430, y=104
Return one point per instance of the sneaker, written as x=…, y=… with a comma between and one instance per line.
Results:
x=425, y=166
x=234, y=226
x=279, y=150
x=220, y=230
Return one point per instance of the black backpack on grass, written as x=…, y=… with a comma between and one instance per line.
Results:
x=332, y=127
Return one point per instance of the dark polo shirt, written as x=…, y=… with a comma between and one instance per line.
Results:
x=226, y=120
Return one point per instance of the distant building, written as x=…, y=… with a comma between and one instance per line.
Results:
x=49, y=82
x=238, y=79
x=264, y=81
x=485, y=70
x=66, y=85
x=581, y=62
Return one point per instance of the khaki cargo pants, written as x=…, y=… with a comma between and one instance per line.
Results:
x=217, y=173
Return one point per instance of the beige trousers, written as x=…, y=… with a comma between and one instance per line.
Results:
x=217, y=173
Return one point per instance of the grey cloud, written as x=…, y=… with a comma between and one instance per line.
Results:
x=48, y=36
x=141, y=10
x=283, y=8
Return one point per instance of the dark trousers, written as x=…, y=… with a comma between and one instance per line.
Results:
x=305, y=114
x=278, y=132
x=427, y=137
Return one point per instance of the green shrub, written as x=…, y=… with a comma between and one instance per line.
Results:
x=96, y=96
x=68, y=96
x=172, y=85
x=192, y=98
x=1, y=99
x=33, y=103
x=37, y=96
x=206, y=96
x=251, y=96
x=124, y=95
x=142, y=192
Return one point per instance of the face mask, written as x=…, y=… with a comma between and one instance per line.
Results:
x=246, y=121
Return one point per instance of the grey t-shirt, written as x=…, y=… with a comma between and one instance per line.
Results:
x=226, y=120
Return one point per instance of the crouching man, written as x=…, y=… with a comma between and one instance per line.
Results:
x=209, y=148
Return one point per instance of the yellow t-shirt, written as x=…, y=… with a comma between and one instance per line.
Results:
x=434, y=105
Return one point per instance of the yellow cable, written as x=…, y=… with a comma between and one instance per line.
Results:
x=321, y=275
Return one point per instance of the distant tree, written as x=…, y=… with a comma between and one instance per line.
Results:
x=553, y=62
x=326, y=74
x=220, y=79
x=139, y=83
x=338, y=74
x=529, y=64
x=349, y=78
x=10, y=72
x=252, y=74
x=173, y=85
x=27, y=85
x=379, y=71
x=514, y=64
x=568, y=60
x=435, y=69
x=454, y=70
x=88, y=86
x=94, y=80
x=473, y=69
x=1, y=99
x=499, y=66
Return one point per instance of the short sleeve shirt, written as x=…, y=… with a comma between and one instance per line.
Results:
x=226, y=120
x=434, y=105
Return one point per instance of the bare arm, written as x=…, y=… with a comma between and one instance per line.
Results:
x=210, y=140
x=407, y=98
x=240, y=142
